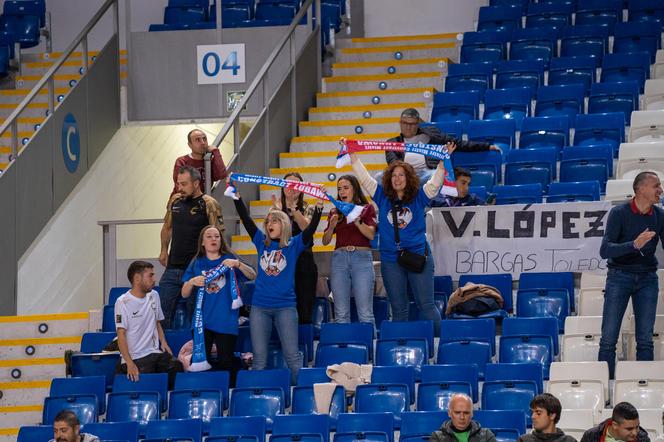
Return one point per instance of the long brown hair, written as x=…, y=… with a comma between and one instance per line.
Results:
x=300, y=199
x=412, y=182
x=358, y=196
x=223, y=245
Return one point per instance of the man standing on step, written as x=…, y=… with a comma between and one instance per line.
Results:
x=632, y=232
x=411, y=132
x=198, y=143
x=188, y=211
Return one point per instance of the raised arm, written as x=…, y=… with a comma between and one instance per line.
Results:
x=245, y=217
x=308, y=233
x=432, y=187
x=368, y=183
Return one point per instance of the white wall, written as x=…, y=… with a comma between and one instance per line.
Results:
x=62, y=270
x=413, y=17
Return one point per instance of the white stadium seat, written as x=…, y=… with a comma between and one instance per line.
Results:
x=634, y=158
x=591, y=301
x=593, y=279
x=619, y=190
x=575, y=325
x=576, y=421
x=646, y=126
x=640, y=383
x=580, y=347
x=658, y=67
x=651, y=420
x=653, y=97
x=579, y=394
x=581, y=371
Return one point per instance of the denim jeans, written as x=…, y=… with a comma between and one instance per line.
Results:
x=396, y=280
x=352, y=272
x=643, y=288
x=170, y=290
x=284, y=319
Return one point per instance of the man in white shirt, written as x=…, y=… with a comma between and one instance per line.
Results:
x=137, y=316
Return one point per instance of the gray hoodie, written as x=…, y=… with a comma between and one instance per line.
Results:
x=85, y=437
x=538, y=436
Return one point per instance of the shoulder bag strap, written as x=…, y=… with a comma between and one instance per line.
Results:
x=395, y=224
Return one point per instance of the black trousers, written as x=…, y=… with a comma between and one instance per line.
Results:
x=225, y=344
x=306, y=278
x=156, y=363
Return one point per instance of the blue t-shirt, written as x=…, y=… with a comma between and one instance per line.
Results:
x=412, y=225
x=275, y=282
x=217, y=313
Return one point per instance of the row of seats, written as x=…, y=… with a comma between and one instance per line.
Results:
x=21, y=23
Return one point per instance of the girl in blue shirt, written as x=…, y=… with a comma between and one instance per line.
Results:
x=220, y=321
x=274, y=301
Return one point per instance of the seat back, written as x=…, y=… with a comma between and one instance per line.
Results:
x=543, y=302
x=95, y=385
x=465, y=352
x=195, y=404
x=630, y=37
x=403, y=375
x=156, y=382
x=563, y=280
x=579, y=347
x=83, y=405
x=374, y=398
x=584, y=40
x=597, y=12
x=366, y=422
x=573, y=70
x=436, y=396
x=485, y=46
x=175, y=429
x=509, y=103
x=302, y=424
x=455, y=106
x=537, y=326
x=477, y=162
x=408, y=329
x=348, y=333
x=539, y=132
x=236, y=427
x=441, y=373
x=204, y=380
x=304, y=402
x=94, y=364
x=35, y=433
x=94, y=342
x=483, y=330
x=498, y=132
x=469, y=77
x=496, y=17
x=508, y=395
x=518, y=194
x=515, y=419
x=573, y=191
x=560, y=100
x=533, y=348
x=330, y=354
x=534, y=44
x=646, y=126
x=520, y=73
x=545, y=15
x=600, y=128
x=516, y=372
x=276, y=379
x=579, y=394
x=112, y=430
x=421, y=423
x=138, y=407
x=614, y=97
x=410, y=352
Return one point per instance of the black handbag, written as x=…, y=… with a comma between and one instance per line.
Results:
x=413, y=262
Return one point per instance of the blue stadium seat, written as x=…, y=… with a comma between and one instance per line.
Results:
x=509, y=104
x=637, y=37
x=304, y=402
x=435, y=396
x=115, y=292
x=505, y=419
x=529, y=166
x=600, y=128
x=176, y=15
x=234, y=14
x=19, y=8
x=35, y=433
x=545, y=15
x=483, y=330
x=485, y=168
x=127, y=431
x=585, y=40
x=381, y=307
x=175, y=429
x=408, y=329
x=151, y=382
x=521, y=4
x=573, y=191
x=518, y=194
x=395, y=375
x=469, y=77
x=83, y=405
x=485, y=46
x=240, y=428
x=501, y=281
x=261, y=393
x=496, y=17
x=23, y=28
x=587, y=164
x=443, y=283
x=182, y=3
x=307, y=377
x=188, y=26
x=539, y=132
x=282, y=12
x=356, y=333
x=452, y=128
x=535, y=280
x=562, y=100
x=108, y=319
x=599, y=12
x=527, y=348
x=520, y=73
x=508, y=395
x=376, y=398
x=140, y=407
x=201, y=404
x=410, y=352
x=302, y=425
x=465, y=352
x=364, y=423
x=460, y=106
x=646, y=11
x=456, y=372
x=95, y=364
x=480, y=192
x=95, y=385
x=543, y=302
x=329, y=354
x=266, y=379
x=320, y=314
x=614, y=97
x=243, y=342
x=94, y=342
x=362, y=436
x=420, y=423
x=177, y=338
x=573, y=70
x=305, y=333
x=516, y=372
x=536, y=44
x=501, y=133
x=634, y=66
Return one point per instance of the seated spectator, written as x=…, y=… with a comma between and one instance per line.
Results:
x=198, y=143
x=137, y=316
x=461, y=427
x=67, y=428
x=546, y=409
x=464, y=198
x=622, y=426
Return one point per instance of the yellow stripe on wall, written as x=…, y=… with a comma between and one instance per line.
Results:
x=51, y=317
x=379, y=77
x=42, y=341
x=403, y=38
x=29, y=362
x=397, y=48
x=412, y=90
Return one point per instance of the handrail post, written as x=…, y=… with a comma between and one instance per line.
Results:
x=293, y=87
x=236, y=136
x=208, y=172
x=14, y=139
x=266, y=145
x=50, y=85
x=84, y=50
x=110, y=257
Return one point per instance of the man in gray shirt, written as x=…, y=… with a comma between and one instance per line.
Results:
x=67, y=428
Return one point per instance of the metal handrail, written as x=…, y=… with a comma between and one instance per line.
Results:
x=81, y=38
x=260, y=76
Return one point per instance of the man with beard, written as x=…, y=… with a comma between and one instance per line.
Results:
x=188, y=211
x=67, y=428
x=198, y=143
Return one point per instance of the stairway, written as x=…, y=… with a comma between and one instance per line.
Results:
x=373, y=80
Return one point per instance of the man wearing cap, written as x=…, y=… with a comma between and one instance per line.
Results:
x=411, y=132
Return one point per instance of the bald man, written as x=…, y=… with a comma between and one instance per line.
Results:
x=461, y=427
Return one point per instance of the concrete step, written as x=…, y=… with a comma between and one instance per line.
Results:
x=375, y=96
x=372, y=42
x=38, y=347
x=45, y=326
x=259, y=222
x=17, y=95
x=366, y=111
x=31, y=369
x=331, y=142
x=34, y=110
x=296, y=160
x=383, y=81
x=61, y=80
x=23, y=393
x=243, y=242
x=408, y=52
x=334, y=127
x=20, y=416
x=28, y=124
x=391, y=66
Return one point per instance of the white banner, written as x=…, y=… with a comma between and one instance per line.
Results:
x=517, y=238
x=218, y=64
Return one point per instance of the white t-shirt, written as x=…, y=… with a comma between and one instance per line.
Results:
x=139, y=316
x=415, y=159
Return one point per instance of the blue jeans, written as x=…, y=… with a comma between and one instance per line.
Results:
x=284, y=319
x=396, y=280
x=643, y=288
x=352, y=272
x=170, y=290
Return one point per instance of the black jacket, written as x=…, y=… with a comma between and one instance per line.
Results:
x=538, y=436
x=595, y=433
x=476, y=434
x=439, y=138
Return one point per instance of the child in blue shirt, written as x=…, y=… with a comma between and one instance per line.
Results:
x=220, y=320
x=274, y=301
